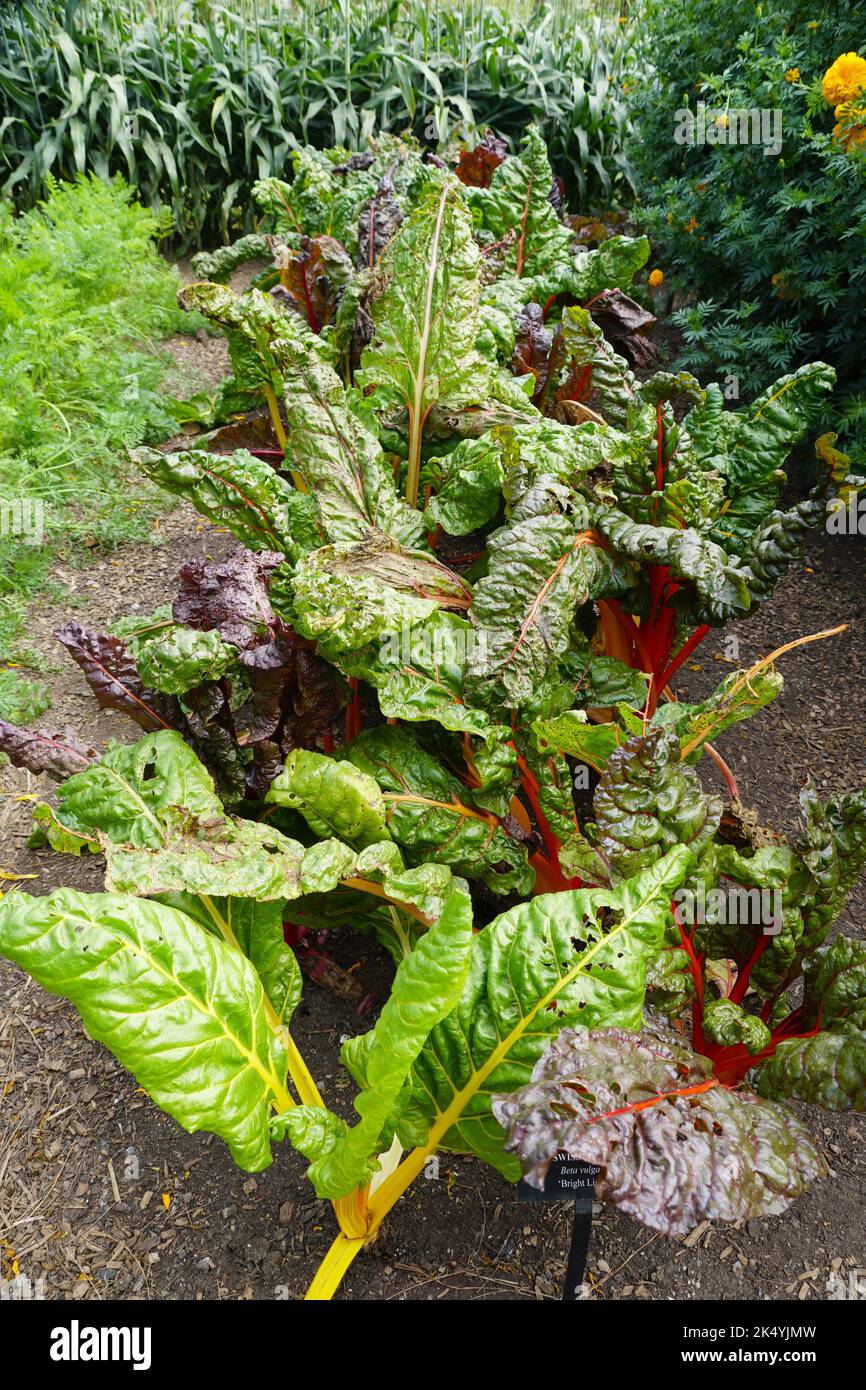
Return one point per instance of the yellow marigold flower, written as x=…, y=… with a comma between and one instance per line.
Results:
x=691, y=224
x=850, y=113
x=850, y=137
x=723, y=120
x=844, y=79
x=792, y=75
x=656, y=278
x=813, y=24
x=850, y=128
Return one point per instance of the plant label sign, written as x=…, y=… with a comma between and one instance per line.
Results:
x=569, y=1180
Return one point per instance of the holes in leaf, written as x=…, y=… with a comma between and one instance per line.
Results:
x=579, y=944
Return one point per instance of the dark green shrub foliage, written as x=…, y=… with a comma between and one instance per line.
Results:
x=770, y=249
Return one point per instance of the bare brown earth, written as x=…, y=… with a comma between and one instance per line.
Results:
x=104, y=1197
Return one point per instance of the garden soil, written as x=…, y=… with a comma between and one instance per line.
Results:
x=102, y=1196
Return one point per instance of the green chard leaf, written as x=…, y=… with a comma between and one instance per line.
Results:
x=182, y=1010
x=346, y=610
x=256, y=928
x=542, y=568
x=720, y=587
x=827, y=1069
x=426, y=988
x=766, y=432
x=563, y=958
x=426, y=320
x=467, y=486
x=335, y=798
x=612, y=382
x=328, y=448
x=238, y=491
x=729, y=1025
x=181, y=658
x=611, y=265
x=518, y=201
x=646, y=802
x=835, y=988
x=431, y=814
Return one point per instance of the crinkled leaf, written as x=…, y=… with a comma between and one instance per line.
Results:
x=828, y=1069
x=335, y=798
x=675, y=1148
x=518, y=201
x=113, y=677
x=39, y=750
x=646, y=802
x=612, y=382
x=467, y=486
x=610, y=266
x=345, y=610
x=378, y=222
x=430, y=813
x=311, y=276
x=541, y=569
x=835, y=989
x=237, y=491
x=137, y=792
x=720, y=587
x=181, y=658
x=729, y=1025
x=767, y=431
x=426, y=320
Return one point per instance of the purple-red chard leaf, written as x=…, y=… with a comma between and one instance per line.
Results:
x=316, y=702
x=475, y=167
x=60, y=753
x=231, y=597
x=310, y=278
x=377, y=223
x=113, y=677
x=532, y=344
x=674, y=1146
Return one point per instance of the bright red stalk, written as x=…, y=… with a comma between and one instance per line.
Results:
x=683, y=654
x=738, y=993
x=697, y=975
x=353, y=710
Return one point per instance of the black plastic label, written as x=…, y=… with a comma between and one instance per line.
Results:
x=567, y=1180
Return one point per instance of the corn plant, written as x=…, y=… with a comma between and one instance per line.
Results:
x=194, y=102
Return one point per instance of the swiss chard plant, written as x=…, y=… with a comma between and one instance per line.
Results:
x=485, y=552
